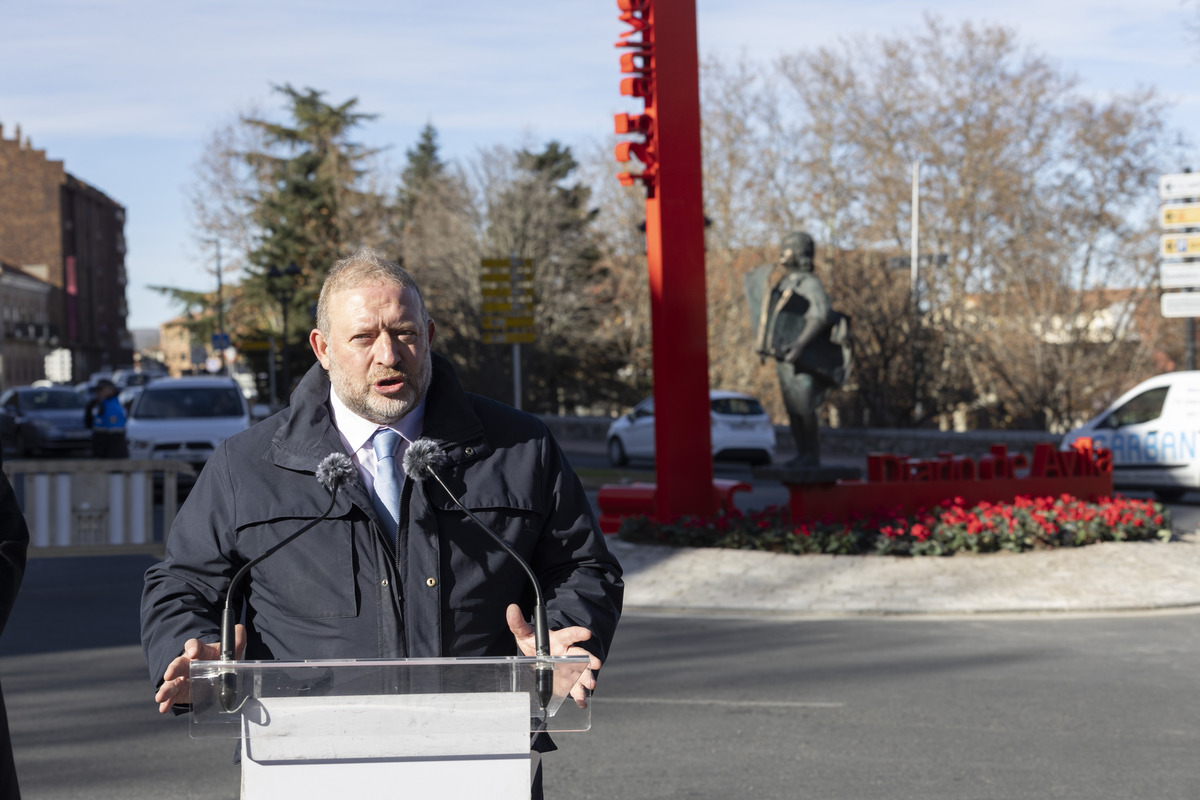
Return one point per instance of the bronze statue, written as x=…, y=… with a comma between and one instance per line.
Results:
x=810, y=342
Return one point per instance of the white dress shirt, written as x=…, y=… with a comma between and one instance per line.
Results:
x=356, y=433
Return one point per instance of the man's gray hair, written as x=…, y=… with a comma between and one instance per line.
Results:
x=365, y=266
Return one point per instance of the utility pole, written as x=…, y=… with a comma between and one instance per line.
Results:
x=915, y=259
x=219, y=337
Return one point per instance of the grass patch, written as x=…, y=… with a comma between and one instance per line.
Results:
x=595, y=477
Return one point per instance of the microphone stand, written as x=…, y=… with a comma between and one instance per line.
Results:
x=228, y=692
x=544, y=670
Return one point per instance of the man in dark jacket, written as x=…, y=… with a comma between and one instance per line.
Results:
x=365, y=583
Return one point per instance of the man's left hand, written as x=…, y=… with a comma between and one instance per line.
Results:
x=562, y=643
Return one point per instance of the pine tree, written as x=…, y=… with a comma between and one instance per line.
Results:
x=424, y=169
x=310, y=208
x=544, y=215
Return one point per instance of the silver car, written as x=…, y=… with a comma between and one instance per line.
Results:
x=36, y=421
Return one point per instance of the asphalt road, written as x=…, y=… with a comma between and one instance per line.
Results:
x=690, y=707
x=852, y=709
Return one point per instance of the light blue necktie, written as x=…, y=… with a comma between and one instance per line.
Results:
x=387, y=476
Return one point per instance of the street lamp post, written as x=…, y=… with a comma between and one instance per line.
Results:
x=282, y=286
x=220, y=304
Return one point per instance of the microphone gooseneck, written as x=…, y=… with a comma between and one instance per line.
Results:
x=421, y=460
x=334, y=470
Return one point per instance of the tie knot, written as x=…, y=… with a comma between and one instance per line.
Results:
x=384, y=441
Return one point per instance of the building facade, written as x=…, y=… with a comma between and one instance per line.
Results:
x=57, y=229
x=180, y=354
x=26, y=335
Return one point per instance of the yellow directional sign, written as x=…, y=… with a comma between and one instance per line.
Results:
x=1179, y=245
x=508, y=300
x=504, y=323
x=504, y=290
x=509, y=337
x=1183, y=215
x=506, y=273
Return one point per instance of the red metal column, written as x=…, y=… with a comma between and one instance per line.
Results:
x=669, y=82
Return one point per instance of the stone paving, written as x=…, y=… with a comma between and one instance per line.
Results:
x=1124, y=576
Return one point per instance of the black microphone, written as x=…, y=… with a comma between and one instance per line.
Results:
x=421, y=460
x=334, y=470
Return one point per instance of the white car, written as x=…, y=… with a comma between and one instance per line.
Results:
x=741, y=431
x=1153, y=431
x=183, y=419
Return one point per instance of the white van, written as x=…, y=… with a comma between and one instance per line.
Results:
x=1153, y=431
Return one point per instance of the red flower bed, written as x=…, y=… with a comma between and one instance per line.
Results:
x=1027, y=523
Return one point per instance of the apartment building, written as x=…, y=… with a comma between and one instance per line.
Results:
x=58, y=230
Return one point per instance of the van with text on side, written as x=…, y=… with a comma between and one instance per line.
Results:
x=1153, y=431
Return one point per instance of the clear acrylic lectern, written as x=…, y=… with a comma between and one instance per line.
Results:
x=440, y=727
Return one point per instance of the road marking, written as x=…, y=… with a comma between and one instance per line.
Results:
x=731, y=703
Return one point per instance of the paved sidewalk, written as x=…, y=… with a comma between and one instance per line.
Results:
x=1125, y=576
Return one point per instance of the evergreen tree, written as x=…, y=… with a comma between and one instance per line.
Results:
x=543, y=214
x=423, y=170
x=309, y=208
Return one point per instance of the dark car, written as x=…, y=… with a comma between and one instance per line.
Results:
x=35, y=421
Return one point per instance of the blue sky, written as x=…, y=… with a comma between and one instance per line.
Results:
x=126, y=92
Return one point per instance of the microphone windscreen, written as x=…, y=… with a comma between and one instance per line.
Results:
x=421, y=458
x=334, y=470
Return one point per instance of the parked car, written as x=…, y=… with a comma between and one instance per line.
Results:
x=184, y=419
x=49, y=419
x=87, y=390
x=1153, y=431
x=125, y=378
x=741, y=431
x=127, y=395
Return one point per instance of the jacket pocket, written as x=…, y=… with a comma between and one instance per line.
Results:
x=311, y=577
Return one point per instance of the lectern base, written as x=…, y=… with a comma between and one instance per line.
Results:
x=448, y=746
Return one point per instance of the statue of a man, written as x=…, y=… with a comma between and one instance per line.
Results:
x=809, y=341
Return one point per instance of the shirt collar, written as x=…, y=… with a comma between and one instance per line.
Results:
x=357, y=431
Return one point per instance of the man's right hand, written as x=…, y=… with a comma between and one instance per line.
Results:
x=176, y=688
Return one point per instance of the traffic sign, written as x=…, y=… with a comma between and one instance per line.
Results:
x=1178, y=245
x=506, y=285
x=504, y=323
x=506, y=263
x=1181, y=304
x=1179, y=274
x=509, y=337
x=923, y=260
x=1175, y=187
x=505, y=290
x=1180, y=215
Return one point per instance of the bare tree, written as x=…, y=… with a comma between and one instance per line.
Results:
x=1037, y=196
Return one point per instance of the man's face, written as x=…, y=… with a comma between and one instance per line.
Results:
x=377, y=351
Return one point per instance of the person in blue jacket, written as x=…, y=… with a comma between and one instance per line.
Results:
x=107, y=419
x=364, y=583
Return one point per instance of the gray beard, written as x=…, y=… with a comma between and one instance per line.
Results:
x=380, y=410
